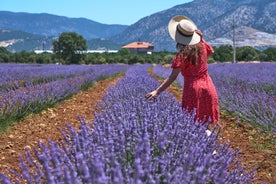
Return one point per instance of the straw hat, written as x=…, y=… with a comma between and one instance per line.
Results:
x=182, y=30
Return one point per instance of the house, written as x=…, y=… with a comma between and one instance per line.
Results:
x=140, y=47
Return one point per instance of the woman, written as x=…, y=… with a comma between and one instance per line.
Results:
x=199, y=92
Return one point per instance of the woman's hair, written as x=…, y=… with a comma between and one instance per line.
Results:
x=189, y=51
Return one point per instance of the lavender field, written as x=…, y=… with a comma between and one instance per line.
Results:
x=247, y=91
x=133, y=140
x=26, y=89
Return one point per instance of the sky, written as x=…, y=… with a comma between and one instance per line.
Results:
x=124, y=12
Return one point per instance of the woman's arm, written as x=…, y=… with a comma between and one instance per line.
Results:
x=167, y=82
x=210, y=50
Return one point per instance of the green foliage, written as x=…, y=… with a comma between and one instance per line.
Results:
x=124, y=56
x=269, y=54
x=168, y=59
x=4, y=55
x=211, y=60
x=124, y=51
x=24, y=57
x=69, y=46
x=247, y=54
x=44, y=58
x=223, y=53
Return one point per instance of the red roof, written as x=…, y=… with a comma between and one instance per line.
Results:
x=138, y=45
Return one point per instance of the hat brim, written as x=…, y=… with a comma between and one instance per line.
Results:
x=178, y=37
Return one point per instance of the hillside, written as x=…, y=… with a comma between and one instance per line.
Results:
x=102, y=44
x=214, y=18
x=19, y=40
x=253, y=20
x=246, y=36
x=52, y=25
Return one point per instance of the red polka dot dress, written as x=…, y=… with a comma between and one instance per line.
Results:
x=199, y=92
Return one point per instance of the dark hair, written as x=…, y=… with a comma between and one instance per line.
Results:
x=189, y=51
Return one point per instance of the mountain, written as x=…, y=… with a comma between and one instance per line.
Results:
x=19, y=40
x=52, y=25
x=28, y=31
x=102, y=44
x=253, y=21
x=214, y=18
x=247, y=36
x=16, y=41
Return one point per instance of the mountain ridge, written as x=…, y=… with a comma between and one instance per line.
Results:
x=213, y=18
x=216, y=19
x=52, y=25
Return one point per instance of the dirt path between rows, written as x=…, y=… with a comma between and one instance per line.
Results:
x=47, y=125
x=257, y=149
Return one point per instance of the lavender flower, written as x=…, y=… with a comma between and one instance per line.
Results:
x=133, y=140
x=33, y=97
x=245, y=90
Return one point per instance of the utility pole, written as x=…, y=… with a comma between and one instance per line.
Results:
x=43, y=45
x=234, y=41
x=59, y=48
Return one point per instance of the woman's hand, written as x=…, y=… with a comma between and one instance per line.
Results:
x=164, y=85
x=152, y=95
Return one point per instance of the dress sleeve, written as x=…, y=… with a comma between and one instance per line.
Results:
x=176, y=63
x=209, y=48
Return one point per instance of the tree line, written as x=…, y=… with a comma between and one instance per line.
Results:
x=69, y=47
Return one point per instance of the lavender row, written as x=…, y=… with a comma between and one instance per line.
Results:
x=133, y=140
x=14, y=76
x=159, y=71
x=248, y=91
x=255, y=74
x=242, y=93
x=17, y=103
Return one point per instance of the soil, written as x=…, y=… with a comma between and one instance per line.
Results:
x=256, y=147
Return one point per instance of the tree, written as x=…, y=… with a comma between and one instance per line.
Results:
x=247, y=53
x=69, y=47
x=4, y=55
x=270, y=54
x=124, y=51
x=223, y=53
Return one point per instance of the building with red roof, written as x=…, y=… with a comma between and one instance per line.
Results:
x=140, y=47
